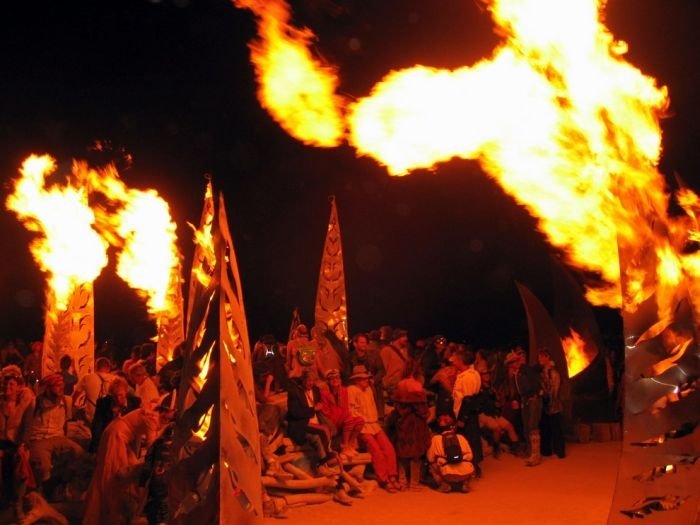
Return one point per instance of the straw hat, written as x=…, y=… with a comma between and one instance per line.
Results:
x=359, y=372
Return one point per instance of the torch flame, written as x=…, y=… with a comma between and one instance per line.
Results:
x=577, y=357
x=556, y=116
x=139, y=223
x=297, y=89
x=199, y=381
x=76, y=232
x=69, y=249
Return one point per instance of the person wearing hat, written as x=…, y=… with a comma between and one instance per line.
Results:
x=334, y=401
x=372, y=435
x=46, y=430
x=529, y=389
x=407, y=426
x=364, y=354
x=394, y=357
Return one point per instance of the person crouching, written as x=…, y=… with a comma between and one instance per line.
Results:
x=450, y=457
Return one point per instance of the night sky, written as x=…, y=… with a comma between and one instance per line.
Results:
x=170, y=83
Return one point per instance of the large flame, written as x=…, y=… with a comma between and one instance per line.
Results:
x=138, y=222
x=92, y=210
x=562, y=122
x=296, y=88
x=69, y=249
x=576, y=353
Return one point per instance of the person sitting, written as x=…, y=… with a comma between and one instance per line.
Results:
x=372, y=436
x=119, y=402
x=363, y=354
x=491, y=420
x=303, y=425
x=46, y=429
x=334, y=400
x=449, y=456
x=14, y=458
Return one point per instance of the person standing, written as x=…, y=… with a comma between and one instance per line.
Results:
x=529, y=389
x=408, y=426
x=394, y=357
x=466, y=407
x=551, y=424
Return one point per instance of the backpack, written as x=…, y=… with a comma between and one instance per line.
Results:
x=452, y=448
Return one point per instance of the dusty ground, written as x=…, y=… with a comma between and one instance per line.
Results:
x=573, y=491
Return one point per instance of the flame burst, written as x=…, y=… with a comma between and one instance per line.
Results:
x=69, y=249
x=577, y=356
x=297, y=89
x=562, y=122
x=139, y=223
x=79, y=220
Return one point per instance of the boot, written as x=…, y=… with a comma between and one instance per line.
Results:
x=18, y=504
x=415, y=476
x=535, y=456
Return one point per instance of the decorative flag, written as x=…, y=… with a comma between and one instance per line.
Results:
x=296, y=321
x=218, y=476
x=331, y=304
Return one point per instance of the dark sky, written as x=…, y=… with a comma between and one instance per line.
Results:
x=170, y=83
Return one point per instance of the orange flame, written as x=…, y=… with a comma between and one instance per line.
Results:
x=139, y=223
x=69, y=249
x=577, y=356
x=560, y=120
x=77, y=232
x=297, y=89
x=199, y=380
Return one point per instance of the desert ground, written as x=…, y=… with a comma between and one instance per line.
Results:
x=576, y=490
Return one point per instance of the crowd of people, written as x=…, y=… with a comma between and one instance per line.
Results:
x=419, y=410
x=54, y=428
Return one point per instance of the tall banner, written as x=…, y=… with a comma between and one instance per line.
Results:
x=217, y=478
x=70, y=331
x=296, y=321
x=331, y=303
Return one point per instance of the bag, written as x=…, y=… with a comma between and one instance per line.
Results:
x=306, y=354
x=452, y=448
